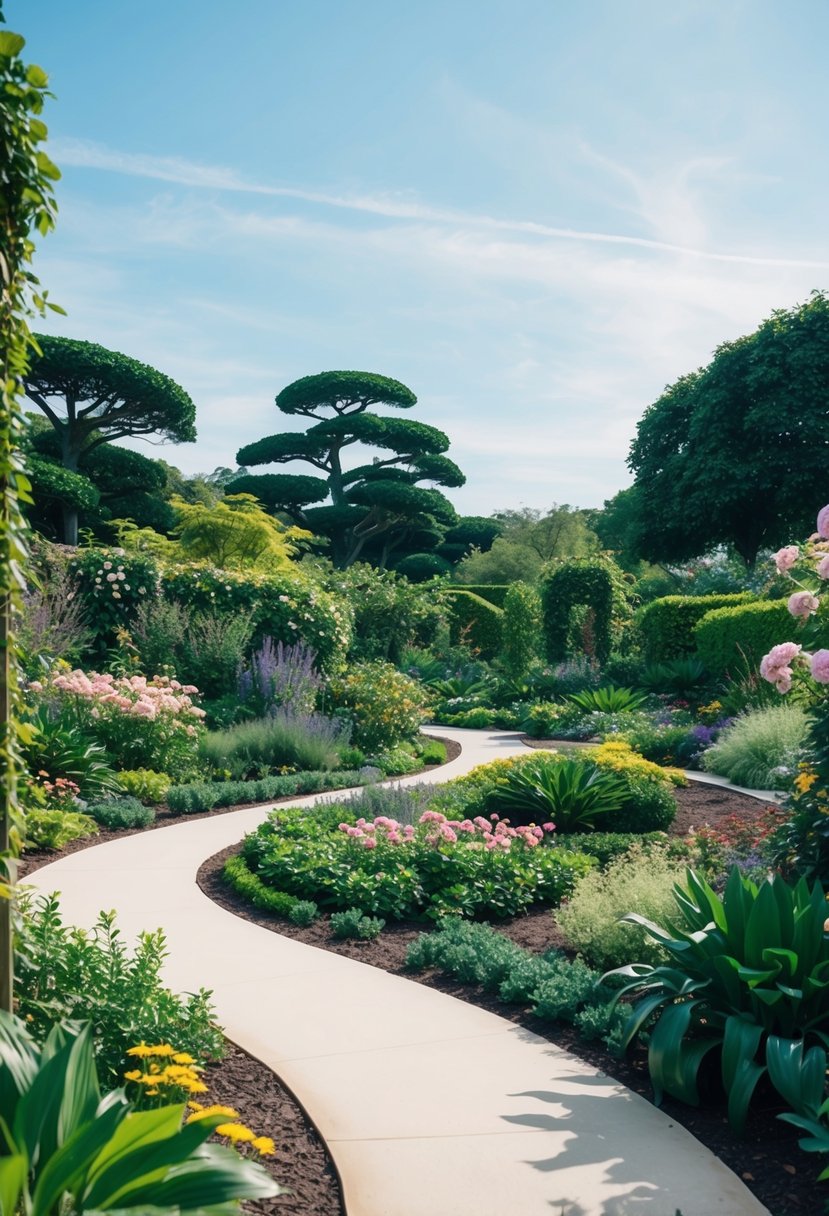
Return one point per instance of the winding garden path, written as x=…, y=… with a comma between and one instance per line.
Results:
x=429, y=1106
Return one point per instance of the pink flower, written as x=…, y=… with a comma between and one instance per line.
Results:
x=820, y=666
x=549, y=827
x=823, y=522
x=785, y=558
x=775, y=668
x=823, y=567
x=369, y=843
x=803, y=603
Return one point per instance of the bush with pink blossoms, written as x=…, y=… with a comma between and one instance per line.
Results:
x=434, y=868
x=141, y=723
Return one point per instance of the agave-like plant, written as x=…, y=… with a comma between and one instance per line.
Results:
x=609, y=699
x=748, y=978
x=674, y=675
x=68, y=1148
x=573, y=793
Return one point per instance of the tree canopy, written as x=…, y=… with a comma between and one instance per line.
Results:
x=736, y=453
x=369, y=510
x=92, y=396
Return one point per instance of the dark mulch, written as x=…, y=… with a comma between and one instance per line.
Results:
x=767, y=1157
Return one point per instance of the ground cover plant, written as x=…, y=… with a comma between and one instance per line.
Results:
x=760, y=750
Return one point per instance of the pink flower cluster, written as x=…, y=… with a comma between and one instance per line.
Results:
x=776, y=665
x=134, y=695
x=492, y=833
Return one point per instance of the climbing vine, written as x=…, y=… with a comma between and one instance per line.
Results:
x=27, y=205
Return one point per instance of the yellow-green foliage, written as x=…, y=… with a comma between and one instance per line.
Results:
x=623, y=759
x=386, y=706
x=641, y=880
x=667, y=624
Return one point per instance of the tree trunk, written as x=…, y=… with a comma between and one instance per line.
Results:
x=70, y=458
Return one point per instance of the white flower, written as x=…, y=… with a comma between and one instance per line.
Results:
x=126, y=586
x=283, y=599
x=121, y=575
x=116, y=595
x=142, y=590
x=111, y=578
x=107, y=565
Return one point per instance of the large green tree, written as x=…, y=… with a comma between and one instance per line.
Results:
x=92, y=396
x=736, y=453
x=370, y=507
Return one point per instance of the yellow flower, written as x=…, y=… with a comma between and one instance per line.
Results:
x=237, y=1132
x=264, y=1146
x=142, y=1050
x=181, y=1057
x=134, y=1074
x=204, y=1112
x=804, y=781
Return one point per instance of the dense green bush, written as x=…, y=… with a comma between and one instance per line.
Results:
x=60, y=747
x=435, y=868
x=762, y=749
x=729, y=637
x=112, y=584
x=284, y=740
x=384, y=706
x=389, y=612
x=667, y=625
x=145, y=784
x=493, y=593
x=475, y=621
x=575, y=794
x=607, y=846
x=91, y=975
x=353, y=924
x=641, y=880
x=121, y=813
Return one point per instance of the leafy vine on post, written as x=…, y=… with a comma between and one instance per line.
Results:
x=27, y=204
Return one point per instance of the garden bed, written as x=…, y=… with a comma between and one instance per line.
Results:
x=767, y=1158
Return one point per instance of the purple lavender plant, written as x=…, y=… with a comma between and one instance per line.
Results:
x=281, y=676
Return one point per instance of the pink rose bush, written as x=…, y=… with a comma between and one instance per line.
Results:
x=142, y=723
x=782, y=661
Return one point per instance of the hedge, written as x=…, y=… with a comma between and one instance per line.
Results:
x=493, y=593
x=476, y=621
x=754, y=628
x=667, y=625
x=201, y=796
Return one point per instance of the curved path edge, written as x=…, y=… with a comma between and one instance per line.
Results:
x=429, y=1106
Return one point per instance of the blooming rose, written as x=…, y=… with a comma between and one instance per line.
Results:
x=820, y=666
x=775, y=668
x=803, y=603
x=823, y=567
x=785, y=558
x=823, y=522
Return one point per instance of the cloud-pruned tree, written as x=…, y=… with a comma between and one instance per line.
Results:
x=367, y=509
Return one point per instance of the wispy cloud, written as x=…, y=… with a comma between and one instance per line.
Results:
x=87, y=155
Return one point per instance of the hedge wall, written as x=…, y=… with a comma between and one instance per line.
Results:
x=493, y=593
x=667, y=625
x=755, y=628
x=475, y=620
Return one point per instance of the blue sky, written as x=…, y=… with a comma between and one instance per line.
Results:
x=534, y=213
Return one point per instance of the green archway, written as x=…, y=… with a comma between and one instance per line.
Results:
x=571, y=585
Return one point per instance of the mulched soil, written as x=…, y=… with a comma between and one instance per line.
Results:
x=767, y=1157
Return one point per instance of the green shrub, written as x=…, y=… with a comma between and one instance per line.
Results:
x=285, y=740
x=650, y=807
x=91, y=975
x=667, y=625
x=61, y=748
x=397, y=762
x=607, y=699
x=521, y=630
x=353, y=924
x=206, y=795
x=728, y=638
x=389, y=612
x=429, y=870
x=607, y=846
x=54, y=829
x=641, y=880
x=385, y=706
x=541, y=720
x=745, y=980
x=471, y=719
x=475, y=621
x=303, y=913
x=493, y=593
x=145, y=785
x=121, y=813
x=238, y=875
x=571, y=793
x=680, y=677
x=760, y=750
x=432, y=751
x=112, y=585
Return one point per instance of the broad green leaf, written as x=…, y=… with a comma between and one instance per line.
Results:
x=797, y=1078
x=13, y=1171
x=66, y=1169
x=673, y=1059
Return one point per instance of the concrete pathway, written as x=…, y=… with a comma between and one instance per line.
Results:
x=429, y=1105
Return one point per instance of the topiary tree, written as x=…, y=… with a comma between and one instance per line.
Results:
x=92, y=395
x=568, y=586
x=371, y=501
x=420, y=567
